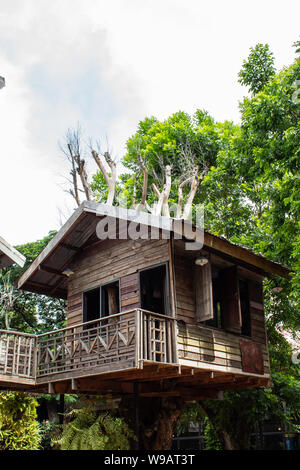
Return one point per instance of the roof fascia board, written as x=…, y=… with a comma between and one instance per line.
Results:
x=11, y=253
x=52, y=244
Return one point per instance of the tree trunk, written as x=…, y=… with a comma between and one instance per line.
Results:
x=226, y=440
x=237, y=438
x=158, y=418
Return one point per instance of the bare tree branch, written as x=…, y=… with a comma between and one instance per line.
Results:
x=163, y=196
x=73, y=173
x=109, y=179
x=180, y=196
x=145, y=182
x=83, y=176
x=72, y=150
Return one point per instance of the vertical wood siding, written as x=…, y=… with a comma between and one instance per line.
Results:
x=202, y=346
x=110, y=260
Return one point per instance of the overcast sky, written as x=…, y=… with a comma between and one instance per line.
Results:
x=108, y=64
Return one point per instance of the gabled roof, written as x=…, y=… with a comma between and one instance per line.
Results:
x=9, y=255
x=45, y=276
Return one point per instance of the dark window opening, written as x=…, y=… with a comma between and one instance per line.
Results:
x=101, y=302
x=91, y=305
x=224, y=302
x=154, y=290
x=216, y=321
x=245, y=308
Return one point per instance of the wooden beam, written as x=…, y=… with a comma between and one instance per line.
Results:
x=71, y=247
x=160, y=393
x=47, y=269
x=243, y=255
x=45, y=288
x=55, y=286
x=74, y=385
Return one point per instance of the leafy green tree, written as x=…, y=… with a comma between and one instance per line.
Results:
x=258, y=68
x=235, y=418
x=183, y=143
x=19, y=428
x=266, y=155
x=260, y=174
x=250, y=193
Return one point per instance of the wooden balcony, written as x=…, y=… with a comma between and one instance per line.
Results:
x=119, y=342
x=112, y=354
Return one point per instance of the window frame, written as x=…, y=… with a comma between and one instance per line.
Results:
x=84, y=314
x=246, y=328
x=167, y=293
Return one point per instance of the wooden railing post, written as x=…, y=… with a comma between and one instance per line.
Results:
x=34, y=361
x=138, y=338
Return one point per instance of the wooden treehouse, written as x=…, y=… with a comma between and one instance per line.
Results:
x=144, y=311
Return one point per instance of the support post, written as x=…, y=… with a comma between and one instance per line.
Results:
x=137, y=417
x=61, y=408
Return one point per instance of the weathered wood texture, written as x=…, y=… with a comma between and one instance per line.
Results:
x=92, y=346
x=212, y=349
x=107, y=261
x=117, y=342
x=252, y=357
x=17, y=355
x=186, y=305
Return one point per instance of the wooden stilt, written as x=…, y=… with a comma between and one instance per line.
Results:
x=137, y=420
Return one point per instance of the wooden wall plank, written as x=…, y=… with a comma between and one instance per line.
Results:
x=108, y=261
x=213, y=346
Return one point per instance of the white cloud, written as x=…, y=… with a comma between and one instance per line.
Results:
x=108, y=65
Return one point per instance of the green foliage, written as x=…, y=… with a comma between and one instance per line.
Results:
x=91, y=430
x=297, y=46
x=192, y=413
x=240, y=411
x=32, y=313
x=181, y=141
x=19, y=429
x=258, y=68
x=211, y=439
x=100, y=188
x=251, y=196
x=48, y=430
x=266, y=155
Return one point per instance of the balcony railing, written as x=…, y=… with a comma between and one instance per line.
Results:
x=118, y=341
x=17, y=354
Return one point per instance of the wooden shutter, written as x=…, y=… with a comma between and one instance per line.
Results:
x=257, y=311
x=230, y=300
x=130, y=292
x=112, y=296
x=204, y=293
